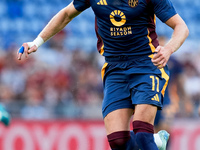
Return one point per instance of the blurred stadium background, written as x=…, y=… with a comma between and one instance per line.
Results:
x=55, y=97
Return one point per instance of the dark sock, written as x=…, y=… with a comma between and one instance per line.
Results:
x=122, y=140
x=144, y=135
x=131, y=144
x=146, y=141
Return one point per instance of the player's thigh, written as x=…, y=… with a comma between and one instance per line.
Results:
x=145, y=112
x=147, y=95
x=118, y=120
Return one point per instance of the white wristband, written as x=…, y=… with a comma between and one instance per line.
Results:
x=38, y=41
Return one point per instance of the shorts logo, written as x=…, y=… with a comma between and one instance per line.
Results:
x=102, y=2
x=117, y=18
x=155, y=98
x=133, y=3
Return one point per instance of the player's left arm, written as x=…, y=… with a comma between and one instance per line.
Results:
x=180, y=33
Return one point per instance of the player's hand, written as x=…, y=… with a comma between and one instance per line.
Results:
x=26, y=48
x=161, y=57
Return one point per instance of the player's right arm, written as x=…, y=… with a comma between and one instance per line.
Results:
x=56, y=24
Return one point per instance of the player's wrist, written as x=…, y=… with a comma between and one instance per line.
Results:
x=38, y=41
x=171, y=49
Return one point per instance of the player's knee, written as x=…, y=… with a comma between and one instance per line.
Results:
x=118, y=139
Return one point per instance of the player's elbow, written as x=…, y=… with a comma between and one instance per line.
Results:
x=69, y=12
x=186, y=31
x=183, y=29
x=66, y=17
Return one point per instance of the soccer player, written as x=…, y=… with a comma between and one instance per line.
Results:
x=135, y=74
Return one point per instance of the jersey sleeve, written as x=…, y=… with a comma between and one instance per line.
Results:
x=163, y=9
x=81, y=5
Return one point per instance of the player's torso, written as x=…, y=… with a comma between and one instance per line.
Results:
x=123, y=25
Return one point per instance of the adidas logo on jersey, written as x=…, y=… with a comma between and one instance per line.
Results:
x=155, y=98
x=102, y=2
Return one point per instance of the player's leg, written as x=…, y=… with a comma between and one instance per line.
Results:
x=117, y=107
x=147, y=92
x=117, y=103
x=143, y=128
x=117, y=124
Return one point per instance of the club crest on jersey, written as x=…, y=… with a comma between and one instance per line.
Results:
x=133, y=3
